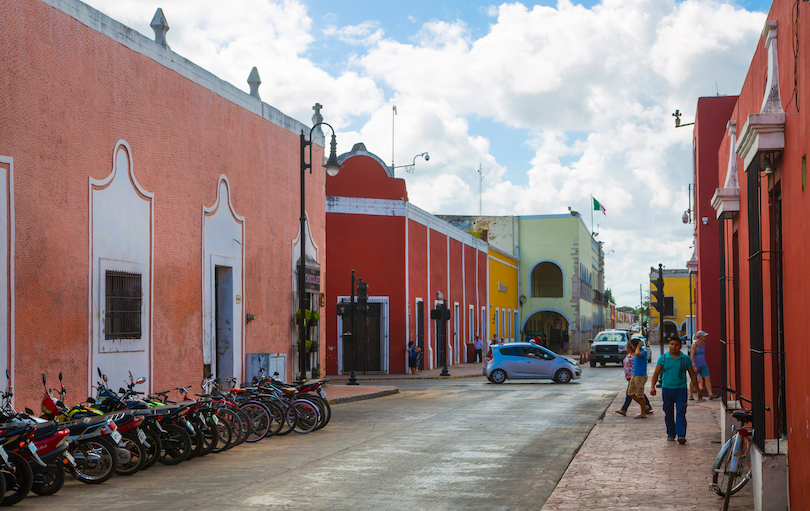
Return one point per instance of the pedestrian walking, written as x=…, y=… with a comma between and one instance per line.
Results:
x=628, y=374
x=672, y=368
x=698, y=354
x=494, y=338
x=414, y=353
x=479, y=346
x=543, y=340
x=565, y=342
x=635, y=389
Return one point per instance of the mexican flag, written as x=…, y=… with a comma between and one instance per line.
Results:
x=598, y=207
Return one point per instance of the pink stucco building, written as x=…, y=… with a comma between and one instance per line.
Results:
x=147, y=208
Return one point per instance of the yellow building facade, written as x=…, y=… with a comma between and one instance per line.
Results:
x=502, y=274
x=678, y=304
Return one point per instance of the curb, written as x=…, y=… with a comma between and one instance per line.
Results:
x=362, y=397
x=405, y=377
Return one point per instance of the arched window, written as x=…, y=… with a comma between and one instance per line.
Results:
x=547, y=281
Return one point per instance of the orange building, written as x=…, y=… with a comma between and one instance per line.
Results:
x=148, y=209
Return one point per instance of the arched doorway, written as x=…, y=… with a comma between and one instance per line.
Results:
x=553, y=324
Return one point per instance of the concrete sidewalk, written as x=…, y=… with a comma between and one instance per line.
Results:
x=456, y=371
x=627, y=463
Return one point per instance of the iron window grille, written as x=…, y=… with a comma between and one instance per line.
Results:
x=124, y=298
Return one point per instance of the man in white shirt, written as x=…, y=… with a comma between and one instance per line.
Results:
x=478, y=345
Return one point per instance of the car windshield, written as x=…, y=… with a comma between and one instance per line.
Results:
x=609, y=337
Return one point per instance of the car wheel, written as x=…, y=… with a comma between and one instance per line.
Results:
x=497, y=376
x=593, y=363
x=563, y=376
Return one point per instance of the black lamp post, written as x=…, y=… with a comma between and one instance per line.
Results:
x=332, y=168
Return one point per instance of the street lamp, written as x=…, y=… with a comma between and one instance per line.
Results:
x=409, y=168
x=332, y=168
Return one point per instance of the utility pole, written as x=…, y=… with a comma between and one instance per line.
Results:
x=480, y=190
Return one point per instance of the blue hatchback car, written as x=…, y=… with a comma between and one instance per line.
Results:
x=522, y=360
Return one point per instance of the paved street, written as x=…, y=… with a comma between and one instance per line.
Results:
x=438, y=444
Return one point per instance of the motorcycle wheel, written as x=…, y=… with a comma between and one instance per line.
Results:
x=96, y=460
x=196, y=440
x=48, y=480
x=155, y=446
x=131, y=450
x=176, y=445
x=224, y=429
x=18, y=480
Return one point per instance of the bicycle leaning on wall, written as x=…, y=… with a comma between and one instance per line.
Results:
x=732, y=467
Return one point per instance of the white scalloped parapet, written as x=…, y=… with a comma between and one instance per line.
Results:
x=771, y=102
x=727, y=199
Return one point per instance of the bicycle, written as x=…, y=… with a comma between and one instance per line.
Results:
x=732, y=467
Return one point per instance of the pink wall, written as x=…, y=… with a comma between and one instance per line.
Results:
x=68, y=94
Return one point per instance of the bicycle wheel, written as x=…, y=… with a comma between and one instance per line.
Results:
x=308, y=416
x=259, y=418
x=720, y=469
x=290, y=418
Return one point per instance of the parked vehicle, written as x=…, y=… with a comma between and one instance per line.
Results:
x=609, y=346
x=523, y=360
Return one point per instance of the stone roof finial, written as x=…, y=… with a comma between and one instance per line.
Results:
x=160, y=27
x=254, y=81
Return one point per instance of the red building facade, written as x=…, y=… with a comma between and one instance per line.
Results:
x=710, y=122
x=761, y=205
x=411, y=260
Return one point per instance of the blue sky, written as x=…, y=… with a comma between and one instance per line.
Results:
x=558, y=101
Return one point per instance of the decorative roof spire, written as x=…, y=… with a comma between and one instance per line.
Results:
x=160, y=27
x=254, y=81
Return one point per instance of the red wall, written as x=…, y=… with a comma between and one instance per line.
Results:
x=787, y=178
x=712, y=116
x=373, y=246
x=371, y=238
x=364, y=177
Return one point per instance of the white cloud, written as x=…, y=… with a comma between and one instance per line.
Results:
x=365, y=34
x=591, y=88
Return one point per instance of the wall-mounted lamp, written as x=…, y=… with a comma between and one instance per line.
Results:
x=522, y=299
x=768, y=161
x=249, y=317
x=705, y=220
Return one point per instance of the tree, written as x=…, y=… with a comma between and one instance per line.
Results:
x=609, y=295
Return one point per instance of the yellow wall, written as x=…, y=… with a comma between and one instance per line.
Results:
x=503, y=294
x=676, y=286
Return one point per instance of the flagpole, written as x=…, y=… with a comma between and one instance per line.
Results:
x=592, y=215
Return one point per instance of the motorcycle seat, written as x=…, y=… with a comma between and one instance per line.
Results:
x=45, y=429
